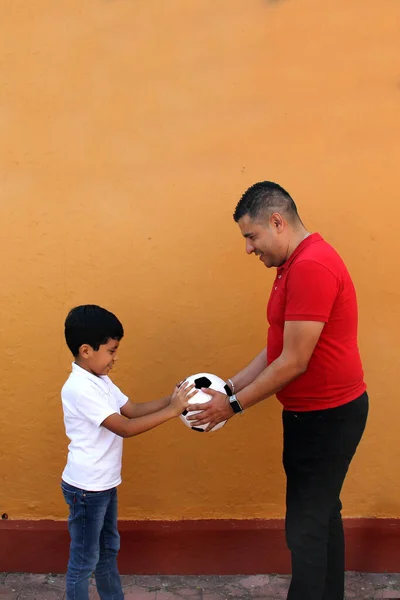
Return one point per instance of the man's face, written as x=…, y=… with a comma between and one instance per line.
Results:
x=264, y=239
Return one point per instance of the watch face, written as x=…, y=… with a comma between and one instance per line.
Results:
x=235, y=404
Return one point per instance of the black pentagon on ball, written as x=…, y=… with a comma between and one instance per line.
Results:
x=227, y=390
x=202, y=382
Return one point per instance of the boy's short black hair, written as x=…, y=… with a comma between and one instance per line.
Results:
x=93, y=325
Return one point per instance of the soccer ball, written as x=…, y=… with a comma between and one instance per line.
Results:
x=204, y=380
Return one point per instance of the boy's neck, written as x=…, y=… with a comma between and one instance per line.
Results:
x=83, y=365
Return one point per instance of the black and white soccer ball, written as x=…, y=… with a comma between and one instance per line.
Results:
x=204, y=380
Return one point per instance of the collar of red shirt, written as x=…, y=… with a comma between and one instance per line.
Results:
x=310, y=239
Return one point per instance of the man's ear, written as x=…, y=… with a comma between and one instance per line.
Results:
x=277, y=221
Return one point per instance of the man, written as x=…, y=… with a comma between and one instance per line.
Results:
x=312, y=364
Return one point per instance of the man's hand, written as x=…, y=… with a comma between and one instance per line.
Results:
x=213, y=412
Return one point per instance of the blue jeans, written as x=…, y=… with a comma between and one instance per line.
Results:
x=92, y=525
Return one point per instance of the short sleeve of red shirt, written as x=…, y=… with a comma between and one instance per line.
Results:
x=311, y=292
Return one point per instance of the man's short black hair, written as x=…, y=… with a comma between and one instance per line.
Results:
x=93, y=325
x=264, y=198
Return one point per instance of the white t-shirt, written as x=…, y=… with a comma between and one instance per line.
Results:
x=95, y=453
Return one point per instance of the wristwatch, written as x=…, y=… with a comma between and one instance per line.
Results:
x=235, y=404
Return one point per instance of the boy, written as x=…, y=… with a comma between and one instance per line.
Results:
x=97, y=415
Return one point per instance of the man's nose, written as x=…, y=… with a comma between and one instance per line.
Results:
x=249, y=247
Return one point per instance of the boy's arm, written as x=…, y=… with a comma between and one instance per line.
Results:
x=128, y=427
x=133, y=426
x=141, y=409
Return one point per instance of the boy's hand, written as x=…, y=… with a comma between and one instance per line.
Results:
x=180, y=383
x=181, y=396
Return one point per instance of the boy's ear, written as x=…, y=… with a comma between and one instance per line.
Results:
x=85, y=351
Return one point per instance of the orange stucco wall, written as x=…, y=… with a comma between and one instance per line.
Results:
x=129, y=129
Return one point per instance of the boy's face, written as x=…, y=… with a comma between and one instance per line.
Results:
x=101, y=361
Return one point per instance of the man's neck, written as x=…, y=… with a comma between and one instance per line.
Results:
x=298, y=237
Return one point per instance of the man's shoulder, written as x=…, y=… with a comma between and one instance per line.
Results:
x=320, y=247
x=322, y=253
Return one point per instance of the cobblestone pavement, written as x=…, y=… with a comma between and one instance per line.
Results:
x=359, y=586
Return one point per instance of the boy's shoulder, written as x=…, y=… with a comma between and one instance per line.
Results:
x=80, y=383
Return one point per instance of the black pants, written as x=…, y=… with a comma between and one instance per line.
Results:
x=318, y=448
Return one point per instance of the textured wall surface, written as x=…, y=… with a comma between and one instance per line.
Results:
x=129, y=129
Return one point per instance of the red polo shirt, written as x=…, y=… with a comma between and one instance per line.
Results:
x=314, y=285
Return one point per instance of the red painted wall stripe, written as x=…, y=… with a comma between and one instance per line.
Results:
x=196, y=547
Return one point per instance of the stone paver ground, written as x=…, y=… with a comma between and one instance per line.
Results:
x=359, y=586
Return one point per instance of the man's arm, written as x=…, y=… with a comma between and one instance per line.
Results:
x=299, y=341
x=250, y=372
